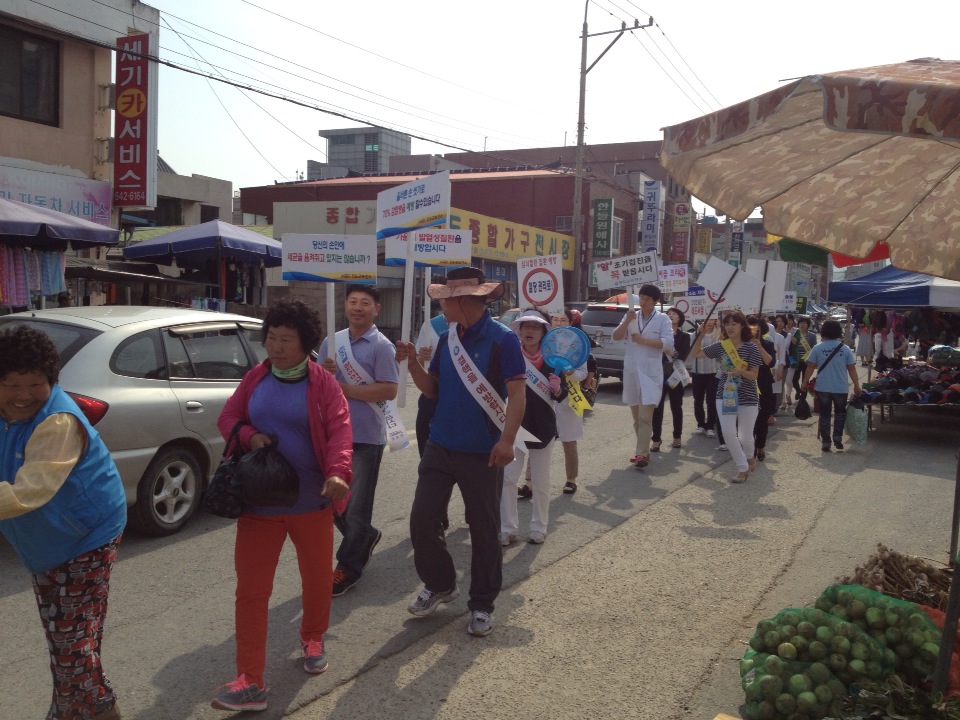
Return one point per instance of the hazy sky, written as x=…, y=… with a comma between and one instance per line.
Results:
x=502, y=74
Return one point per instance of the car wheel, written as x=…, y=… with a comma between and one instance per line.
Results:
x=168, y=493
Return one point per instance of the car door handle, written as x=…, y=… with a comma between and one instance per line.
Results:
x=194, y=405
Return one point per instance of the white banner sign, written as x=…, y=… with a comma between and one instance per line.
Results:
x=789, y=302
x=414, y=205
x=694, y=304
x=435, y=248
x=740, y=291
x=625, y=271
x=773, y=273
x=540, y=283
x=329, y=258
x=672, y=279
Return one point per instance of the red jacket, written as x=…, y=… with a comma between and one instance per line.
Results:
x=329, y=420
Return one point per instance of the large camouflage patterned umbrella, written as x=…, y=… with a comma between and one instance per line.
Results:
x=841, y=160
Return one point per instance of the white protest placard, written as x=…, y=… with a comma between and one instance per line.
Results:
x=789, y=302
x=694, y=304
x=540, y=283
x=672, y=279
x=773, y=273
x=624, y=271
x=729, y=288
x=329, y=258
x=431, y=248
x=420, y=203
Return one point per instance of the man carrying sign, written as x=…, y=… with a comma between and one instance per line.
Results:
x=648, y=333
x=368, y=373
x=476, y=365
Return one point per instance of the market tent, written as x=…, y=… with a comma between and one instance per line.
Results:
x=40, y=228
x=214, y=240
x=892, y=287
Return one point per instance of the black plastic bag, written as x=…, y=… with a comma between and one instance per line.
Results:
x=802, y=409
x=267, y=478
x=223, y=494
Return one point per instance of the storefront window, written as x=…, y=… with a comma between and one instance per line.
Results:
x=29, y=77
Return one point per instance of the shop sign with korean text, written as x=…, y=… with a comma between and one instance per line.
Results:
x=135, y=125
x=602, y=227
x=414, y=205
x=651, y=222
x=330, y=258
x=433, y=248
x=626, y=271
x=506, y=241
x=540, y=283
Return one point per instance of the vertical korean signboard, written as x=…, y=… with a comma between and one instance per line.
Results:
x=135, y=125
x=652, y=213
x=681, y=232
x=602, y=227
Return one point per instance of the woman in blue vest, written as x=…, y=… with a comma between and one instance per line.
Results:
x=62, y=508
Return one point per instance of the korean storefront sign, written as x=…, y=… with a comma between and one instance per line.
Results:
x=505, y=241
x=672, y=278
x=135, y=125
x=650, y=223
x=602, y=227
x=81, y=197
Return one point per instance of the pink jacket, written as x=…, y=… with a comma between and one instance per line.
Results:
x=329, y=420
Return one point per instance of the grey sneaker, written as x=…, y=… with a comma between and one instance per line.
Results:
x=711, y=433
x=537, y=537
x=426, y=602
x=480, y=623
x=241, y=696
x=314, y=658
x=507, y=539
x=722, y=447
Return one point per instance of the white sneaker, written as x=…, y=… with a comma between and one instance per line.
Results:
x=722, y=447
x=537, y=538
x=699, y=431
x=507, y=539
x=711, y=433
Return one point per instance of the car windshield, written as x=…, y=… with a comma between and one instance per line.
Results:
x=602, y=316
x=67, y=338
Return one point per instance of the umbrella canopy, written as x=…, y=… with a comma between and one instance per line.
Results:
x=41, y=228
x=841, y=160
x=891, y=287
x=214, y=240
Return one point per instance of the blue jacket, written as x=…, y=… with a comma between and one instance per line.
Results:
x=88, y=511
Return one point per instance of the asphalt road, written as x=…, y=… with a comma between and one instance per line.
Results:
x=638, y=605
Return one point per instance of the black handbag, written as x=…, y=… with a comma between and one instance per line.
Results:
x=266, y=477
x=223, y=494
x=802, y=409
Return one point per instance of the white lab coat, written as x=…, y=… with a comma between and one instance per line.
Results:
x=643, y=365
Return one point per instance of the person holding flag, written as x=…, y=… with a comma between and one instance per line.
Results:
x=737, y=399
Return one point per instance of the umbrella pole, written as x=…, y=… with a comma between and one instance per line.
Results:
x=952, y=614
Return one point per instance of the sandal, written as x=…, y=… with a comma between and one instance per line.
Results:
x=640, y=461
x=570, y=488
x=752, y=463
x=655, y=446
x=524, y=492
x=741, y=477
x=676, y=443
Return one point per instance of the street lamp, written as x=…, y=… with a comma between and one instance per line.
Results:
x=579, y=245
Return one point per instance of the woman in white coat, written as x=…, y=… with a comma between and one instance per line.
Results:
x=647, y=333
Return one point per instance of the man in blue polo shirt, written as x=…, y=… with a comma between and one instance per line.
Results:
x=477, y=364
x=368, y=373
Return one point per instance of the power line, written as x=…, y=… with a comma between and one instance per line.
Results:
x=719, y=104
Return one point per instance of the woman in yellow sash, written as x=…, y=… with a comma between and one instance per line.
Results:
x=737, y=399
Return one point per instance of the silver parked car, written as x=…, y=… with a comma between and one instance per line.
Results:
x=153, y=381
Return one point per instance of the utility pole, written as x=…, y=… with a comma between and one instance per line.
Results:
x=580, y=249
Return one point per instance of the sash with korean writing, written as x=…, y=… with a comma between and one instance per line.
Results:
x=480, y=390
x=575, y=397
x=805, y=344
x=537, y=382
x=356, y=374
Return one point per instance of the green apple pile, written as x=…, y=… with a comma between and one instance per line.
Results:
x=909, y=638
x=777, y=688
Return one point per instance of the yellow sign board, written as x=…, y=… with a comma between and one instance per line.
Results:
x=506, y=241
